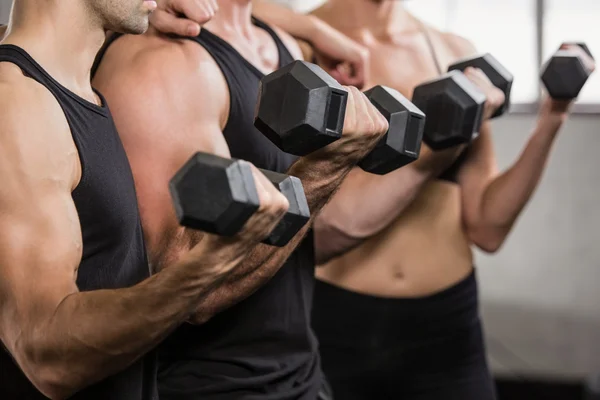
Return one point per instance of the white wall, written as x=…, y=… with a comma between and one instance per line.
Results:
x=541, y=293
x=4, y=10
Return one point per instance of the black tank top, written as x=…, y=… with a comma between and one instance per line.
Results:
x=113, y=249
x=262, y=348
x=451, y=173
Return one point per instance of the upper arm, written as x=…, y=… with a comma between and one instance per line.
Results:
x=291, y=44
x=479, y=169
x=40, y=237
x=168, y=103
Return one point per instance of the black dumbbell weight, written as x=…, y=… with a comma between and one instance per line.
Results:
x=565, y=73
x=496, y=73
x=298, y=212
x=301, y=109
x=218, y=195
x=454, y=109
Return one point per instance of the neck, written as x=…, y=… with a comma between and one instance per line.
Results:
x=378, y=18
x=233, y=18
x=61, y=36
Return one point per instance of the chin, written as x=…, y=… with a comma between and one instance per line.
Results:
x=135, y=26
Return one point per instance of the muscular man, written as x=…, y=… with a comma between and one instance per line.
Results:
x=79, y=314
x=397, y=315
x=171, y=96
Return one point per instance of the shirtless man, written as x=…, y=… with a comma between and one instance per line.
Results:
x=397, y=316
x=255, y=341
x=79, y=314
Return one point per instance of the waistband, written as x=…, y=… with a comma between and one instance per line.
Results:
x=343, y=315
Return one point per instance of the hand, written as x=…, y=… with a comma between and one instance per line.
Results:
x=364, y=125
x=220, y=255
x=183, y=17
x=343, y=58
x=494, y=96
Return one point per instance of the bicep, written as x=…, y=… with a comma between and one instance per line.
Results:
x=479, y=170
x=163, y=119
x=40, y=236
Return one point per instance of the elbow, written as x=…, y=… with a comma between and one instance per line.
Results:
x=332, y=240
x=488, y=239
x=54, y=379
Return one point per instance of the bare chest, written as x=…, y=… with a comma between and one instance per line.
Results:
x=405, y=66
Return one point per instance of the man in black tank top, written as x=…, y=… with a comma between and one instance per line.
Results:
x=79, y=314
x=252, y=338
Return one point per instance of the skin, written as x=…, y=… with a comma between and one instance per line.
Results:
x=56, y=334
x=158, y=121
x=432, y=224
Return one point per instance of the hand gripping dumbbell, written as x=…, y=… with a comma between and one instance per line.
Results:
x=496, y=73
x=454, y=105
x=565, y=73
x=301, y=109
x=218, y=195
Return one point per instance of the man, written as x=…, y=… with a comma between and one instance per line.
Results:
x=78, y=311
x=255, y=341
x=396, y=310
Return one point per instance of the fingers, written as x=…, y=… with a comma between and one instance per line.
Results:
x=168, y=23
x=183, y=17
x=273, y=206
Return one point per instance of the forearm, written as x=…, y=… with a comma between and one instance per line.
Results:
x=504, y=197
x=321, y=176
x=300, y=26
x=2, y=31
x=368, y=203
x=92, y=335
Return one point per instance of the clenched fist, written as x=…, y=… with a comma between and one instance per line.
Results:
x=494, y=97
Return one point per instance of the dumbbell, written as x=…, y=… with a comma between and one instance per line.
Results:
x=301, y=109
x=496, y=73
x=454, y=109
x=218, y=195
x=565, y=73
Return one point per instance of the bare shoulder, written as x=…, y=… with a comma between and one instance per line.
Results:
x=458, y=45
x=35, y=135
x=162, y=69
x=290, y=43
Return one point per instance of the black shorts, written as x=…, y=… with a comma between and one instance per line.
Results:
x=428, y=348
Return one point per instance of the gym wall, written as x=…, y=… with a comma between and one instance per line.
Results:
x=5, y=10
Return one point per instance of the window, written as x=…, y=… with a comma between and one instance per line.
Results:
x=574, y=20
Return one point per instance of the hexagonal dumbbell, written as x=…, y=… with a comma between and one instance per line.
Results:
x=401, y=144
x=565, y=73
x=300, y=108
x=298, y=212
x=496, y=73
x=218, y=195
x=454, y=109
x=214, y=194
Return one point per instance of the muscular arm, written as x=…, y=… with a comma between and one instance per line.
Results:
x=492, y=202
x=184, y=110
x=63, y=339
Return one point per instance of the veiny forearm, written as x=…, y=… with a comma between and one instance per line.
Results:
x=321, y=176
x=368, y=203
x=505, y=197
x=92, y=335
